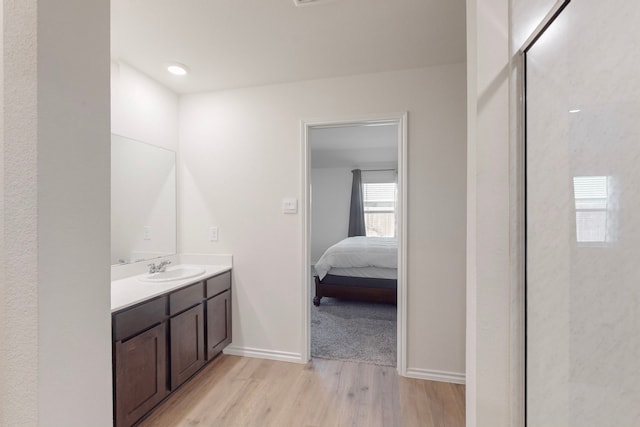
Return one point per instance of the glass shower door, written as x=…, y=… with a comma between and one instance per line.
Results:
x=583, y=218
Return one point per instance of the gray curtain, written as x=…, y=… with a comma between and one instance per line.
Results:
x=356, y=213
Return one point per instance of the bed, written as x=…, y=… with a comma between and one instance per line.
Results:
x=358, y=268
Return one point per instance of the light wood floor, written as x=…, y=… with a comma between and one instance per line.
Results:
x=238, y=391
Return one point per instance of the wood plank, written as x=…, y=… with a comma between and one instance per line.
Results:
x=414, y=405
x=237, y=391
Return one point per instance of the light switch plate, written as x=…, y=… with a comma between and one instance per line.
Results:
x=147, y=233
x=289, y=205
x=213, y=234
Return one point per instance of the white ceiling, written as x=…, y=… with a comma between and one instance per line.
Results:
x=354, y=146
x=239, y=43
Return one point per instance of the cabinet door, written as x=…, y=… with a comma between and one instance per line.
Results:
x=187, y=344
x=140, y=374
x=218, y=323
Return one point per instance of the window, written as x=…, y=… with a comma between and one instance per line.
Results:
x=380, y=208
x=592, y=199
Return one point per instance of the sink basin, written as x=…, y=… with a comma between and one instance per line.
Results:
x=175, y=273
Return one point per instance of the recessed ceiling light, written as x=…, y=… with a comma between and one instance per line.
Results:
x=177, y=69
x=574, y=111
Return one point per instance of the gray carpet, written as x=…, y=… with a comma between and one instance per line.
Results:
x=354, y=331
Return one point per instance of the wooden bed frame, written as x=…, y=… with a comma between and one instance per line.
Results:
x=363, y=292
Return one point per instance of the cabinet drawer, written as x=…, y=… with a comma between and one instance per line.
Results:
x=185, y=298
x=129, y=322
x=218, y=284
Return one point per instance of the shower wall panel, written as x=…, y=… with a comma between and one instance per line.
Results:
x=583, y=218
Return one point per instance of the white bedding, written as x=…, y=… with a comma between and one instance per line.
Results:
x=355, y=252
x=367, y=272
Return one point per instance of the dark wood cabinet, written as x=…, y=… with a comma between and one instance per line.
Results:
x=162, y=342
x=218, y=284
x=187, y=344
x=218, y=323
x=185, y=298
x=132, y=321
x=140, y=374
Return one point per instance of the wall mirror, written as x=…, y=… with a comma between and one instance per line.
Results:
x=143, y=201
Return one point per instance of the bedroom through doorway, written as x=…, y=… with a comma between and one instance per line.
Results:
x=354, y=234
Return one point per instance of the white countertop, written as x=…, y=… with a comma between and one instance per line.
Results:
x=131, y=290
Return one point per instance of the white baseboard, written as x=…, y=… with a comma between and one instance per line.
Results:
x=432, y=375
x=282, y=356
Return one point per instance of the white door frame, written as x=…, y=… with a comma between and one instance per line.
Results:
x=401, y=120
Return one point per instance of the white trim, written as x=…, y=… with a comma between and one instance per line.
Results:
x=306, y=242
x=401, y=119
x=471, y=348
x=517, y=241
x=283, y=356
x=433, y=375
x=403, y=180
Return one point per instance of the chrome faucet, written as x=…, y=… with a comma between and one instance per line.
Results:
x=161, y=267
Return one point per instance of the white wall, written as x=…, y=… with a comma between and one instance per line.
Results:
x=19, y=251
x=488, y=256
x=55, y=345
x=143, y=109
x=330, y=201
x=241, y=154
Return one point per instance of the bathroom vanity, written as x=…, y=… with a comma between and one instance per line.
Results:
x=164, y=333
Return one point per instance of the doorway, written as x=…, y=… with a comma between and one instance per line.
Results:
x=331, y=151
